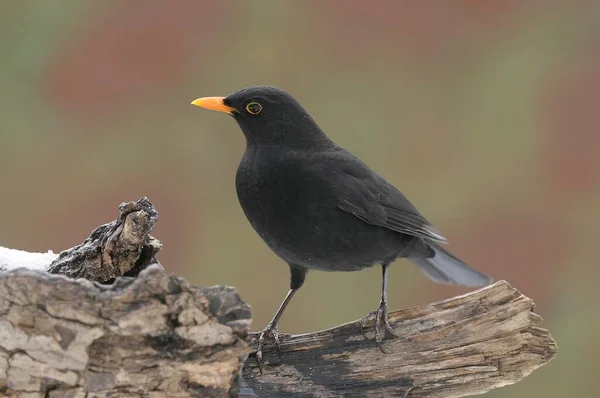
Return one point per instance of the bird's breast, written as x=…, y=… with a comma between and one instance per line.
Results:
x=285, y=203
x=276, y=195
x=294, y=210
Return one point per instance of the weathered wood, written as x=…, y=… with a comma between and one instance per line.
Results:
x=147, y=335
x=121, y=247
x=466, y=345
x=151, y=336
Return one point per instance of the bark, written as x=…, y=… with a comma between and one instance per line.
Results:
x=121, y=247
x=124, y=328
x=150, y=336
x=462, y=346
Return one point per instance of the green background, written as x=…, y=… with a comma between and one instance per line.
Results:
x=484, y=113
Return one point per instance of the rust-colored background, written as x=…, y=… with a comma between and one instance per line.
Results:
x=486, y=114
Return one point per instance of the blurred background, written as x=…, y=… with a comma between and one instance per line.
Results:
x=485, y=114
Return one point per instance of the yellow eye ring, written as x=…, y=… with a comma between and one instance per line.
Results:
x=253, y=108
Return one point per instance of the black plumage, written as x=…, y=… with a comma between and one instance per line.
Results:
x=319, y=207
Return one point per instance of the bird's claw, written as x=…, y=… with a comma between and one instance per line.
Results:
x=270, y=330
x=381, y=319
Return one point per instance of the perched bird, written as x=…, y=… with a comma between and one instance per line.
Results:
x=319, y=207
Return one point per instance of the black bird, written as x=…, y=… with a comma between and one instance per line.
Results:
x=319, y=207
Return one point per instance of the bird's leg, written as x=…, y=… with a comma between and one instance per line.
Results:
x=380, y=314
x=298, y=274
x=271, y=329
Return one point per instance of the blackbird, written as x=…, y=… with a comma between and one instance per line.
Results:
x=319, y=207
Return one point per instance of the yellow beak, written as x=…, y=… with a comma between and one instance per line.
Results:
x=213, y=103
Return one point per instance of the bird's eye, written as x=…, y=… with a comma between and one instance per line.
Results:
x=254, y=108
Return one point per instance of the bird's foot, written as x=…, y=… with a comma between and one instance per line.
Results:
x=381, y=321
x=270, y=330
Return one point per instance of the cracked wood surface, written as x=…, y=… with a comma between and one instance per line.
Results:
x=151, y=336
x=462, y=346
x=143, y=335
x=121, y=247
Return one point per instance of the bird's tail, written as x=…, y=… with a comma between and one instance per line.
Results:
x=443, y=267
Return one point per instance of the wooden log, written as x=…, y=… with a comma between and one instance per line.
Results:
x=124, y=328
x=151, y=336
x=462, y=346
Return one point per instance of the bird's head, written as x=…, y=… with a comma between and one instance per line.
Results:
x=268, y=115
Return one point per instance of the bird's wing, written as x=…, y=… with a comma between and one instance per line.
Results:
x=372, y=199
